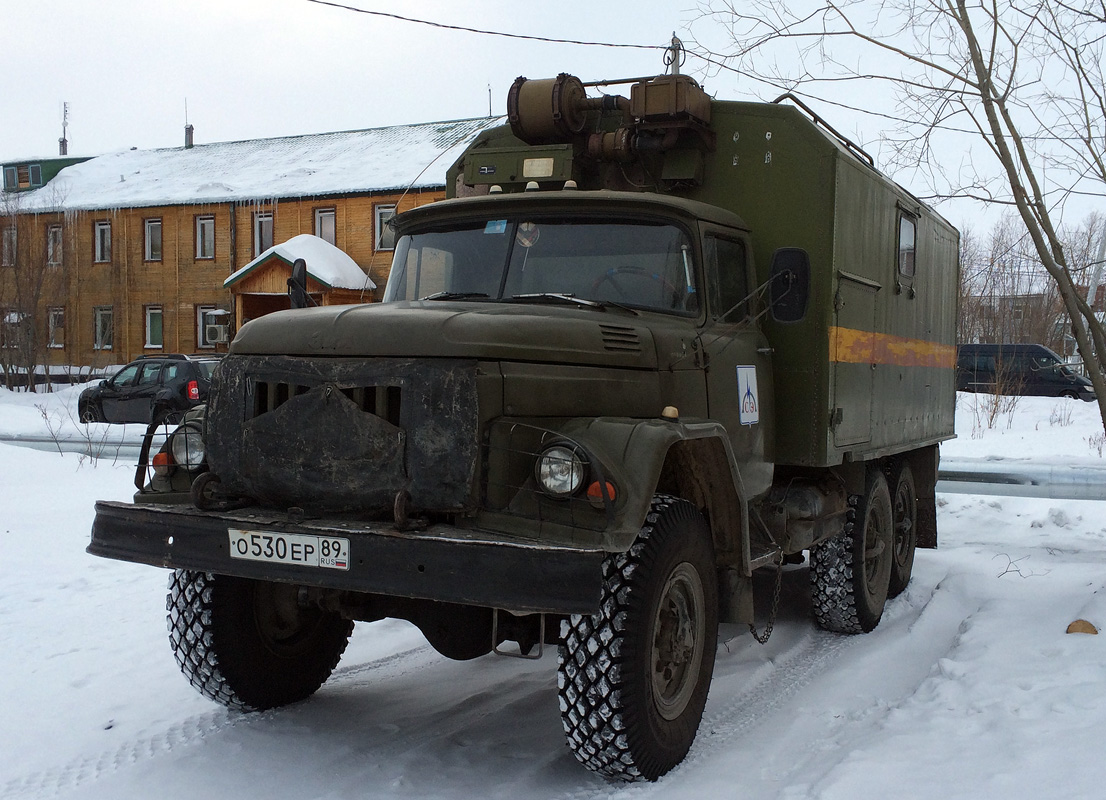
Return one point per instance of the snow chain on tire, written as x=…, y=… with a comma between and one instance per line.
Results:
x=609, y=716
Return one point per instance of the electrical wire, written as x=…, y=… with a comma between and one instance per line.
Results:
x=484, y=32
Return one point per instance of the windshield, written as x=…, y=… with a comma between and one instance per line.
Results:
x=635, y=263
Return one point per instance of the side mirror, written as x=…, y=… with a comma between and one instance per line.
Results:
x=297, y=284
x=789, y=284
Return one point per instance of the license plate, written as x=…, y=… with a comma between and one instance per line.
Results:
x=329, y=552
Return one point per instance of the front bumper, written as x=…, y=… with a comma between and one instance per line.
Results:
x=442, y=563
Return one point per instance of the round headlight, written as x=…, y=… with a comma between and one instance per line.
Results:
x=560, y=470
x=187, y=447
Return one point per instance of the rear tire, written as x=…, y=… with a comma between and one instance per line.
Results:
x=249, y=644
x=850, y=573
x=633, y=679
x=904, y=507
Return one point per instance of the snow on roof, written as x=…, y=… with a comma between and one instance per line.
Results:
x=376, y=159
x=325, y=263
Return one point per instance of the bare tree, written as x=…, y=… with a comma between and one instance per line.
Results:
x=1022, y=78
x=1005, y=295
x=33, y=280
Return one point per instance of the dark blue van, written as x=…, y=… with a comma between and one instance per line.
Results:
x=1024, y=369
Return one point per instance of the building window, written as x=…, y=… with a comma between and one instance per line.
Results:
x=53, y=246
x=101, y=235
x=11, y=321
x=154, y=335
x=55, y=318
x=385, y=234
x=23, y=176
x=262, y=232
x=153, y=240
x=202, y=321
x=103, y=328
x=205, y=237
x=7, y=251
x=907, y=231
x=324, y=224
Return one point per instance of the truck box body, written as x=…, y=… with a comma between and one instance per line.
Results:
x=870, y=370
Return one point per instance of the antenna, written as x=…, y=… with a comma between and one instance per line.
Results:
x=490, y=101
x=186, y=111
x=674, y=55
x=63, y=142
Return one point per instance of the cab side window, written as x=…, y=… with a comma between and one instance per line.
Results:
x=726, y=264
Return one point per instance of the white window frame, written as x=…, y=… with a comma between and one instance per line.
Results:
x=381, y=214
x=149, y=227
x=101, y=241
x=259, y=218
x=55, y=323
x=99, y=315
x=201, y=326
x=205, y=221
x=321, y=215
x=55, y=252
x=151, y=312
x=9, y=246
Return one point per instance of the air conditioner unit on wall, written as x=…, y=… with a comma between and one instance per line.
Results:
x=216, y=334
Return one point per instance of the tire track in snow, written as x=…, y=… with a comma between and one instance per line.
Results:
x=764, y=692
x=86, y=769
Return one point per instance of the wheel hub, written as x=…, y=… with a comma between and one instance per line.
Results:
x=677, y=642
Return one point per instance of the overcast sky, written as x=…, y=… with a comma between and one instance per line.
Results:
x=262, y=68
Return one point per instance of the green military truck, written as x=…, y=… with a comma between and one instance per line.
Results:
x=649, y=346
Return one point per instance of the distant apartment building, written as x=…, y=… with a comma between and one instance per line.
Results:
x=147, y=251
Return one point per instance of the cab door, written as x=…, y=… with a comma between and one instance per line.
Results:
x=737, y=355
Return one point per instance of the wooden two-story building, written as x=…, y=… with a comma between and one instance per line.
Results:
x=136, y=246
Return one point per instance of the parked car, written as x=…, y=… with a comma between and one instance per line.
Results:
x=1022, y=369
x=149, y=389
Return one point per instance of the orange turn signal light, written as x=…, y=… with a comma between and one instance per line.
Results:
x=163, y=464
x=595, y=493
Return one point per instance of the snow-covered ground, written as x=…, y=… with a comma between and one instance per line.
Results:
x=969, y=688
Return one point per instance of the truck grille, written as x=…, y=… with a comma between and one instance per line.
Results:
x=345, y=434
x=380, y=401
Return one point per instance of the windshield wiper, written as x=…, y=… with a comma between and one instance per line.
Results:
x=570, y=299
x=455, y=296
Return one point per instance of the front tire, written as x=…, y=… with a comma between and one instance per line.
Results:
x=633, y=679
x=251, y=645
x=850, y=573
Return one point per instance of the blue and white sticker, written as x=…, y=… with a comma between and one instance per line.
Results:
x=749, y=408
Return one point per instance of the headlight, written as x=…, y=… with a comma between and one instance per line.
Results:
x=187, y=446
x=560, y=470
